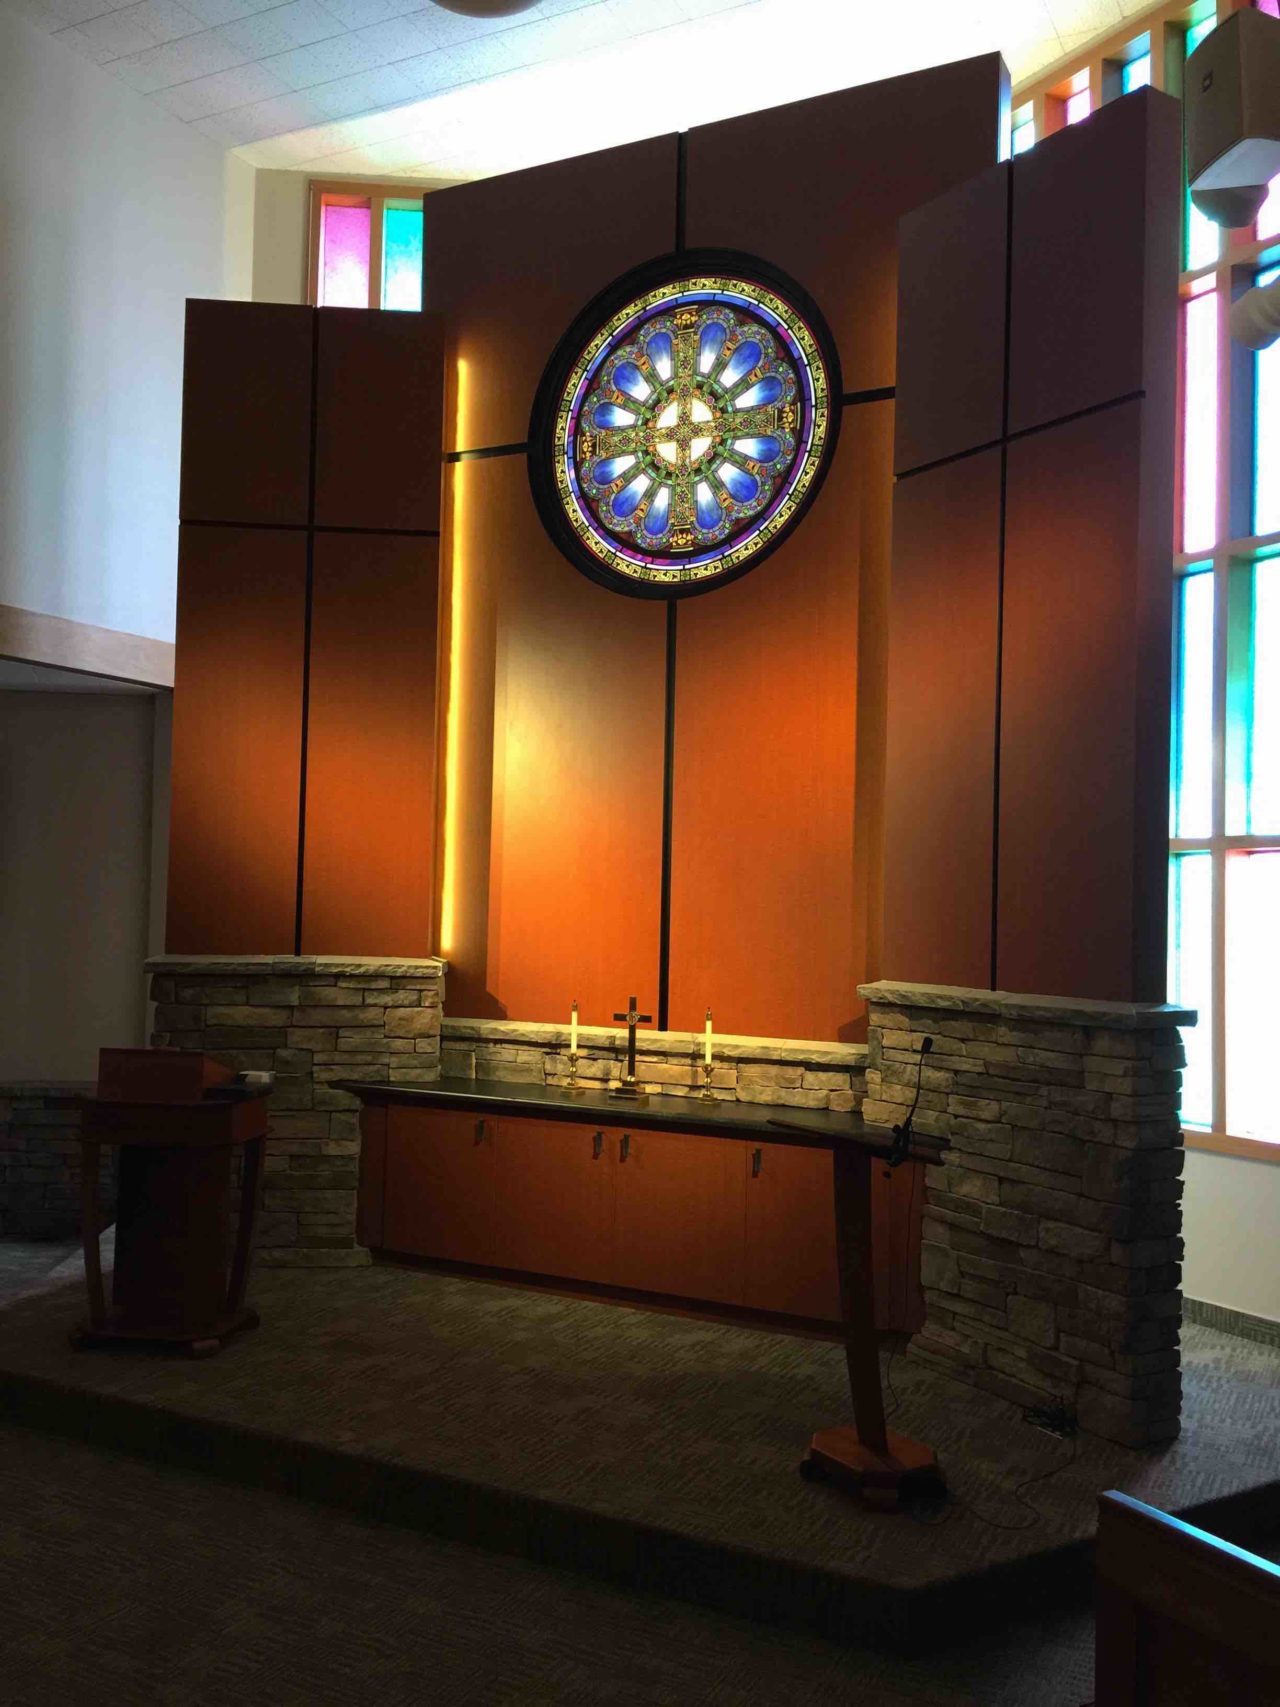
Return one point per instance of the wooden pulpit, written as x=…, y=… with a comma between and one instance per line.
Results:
x=176, y=1116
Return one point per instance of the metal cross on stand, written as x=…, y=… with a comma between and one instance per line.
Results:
x=632, y=1018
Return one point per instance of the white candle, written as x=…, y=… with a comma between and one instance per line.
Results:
x=573, y=1029
x=707, y=1050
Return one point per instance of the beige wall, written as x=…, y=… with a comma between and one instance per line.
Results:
x=280, y=214
x=1231, y=1224
x=75, y=878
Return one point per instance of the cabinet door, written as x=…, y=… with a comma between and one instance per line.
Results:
x=678, y=1214
x=791, y=1232
x=439, y=1185
x=553, y=1210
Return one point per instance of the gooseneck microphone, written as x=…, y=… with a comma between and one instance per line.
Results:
x=902, y=1132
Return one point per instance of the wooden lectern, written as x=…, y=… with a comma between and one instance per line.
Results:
x=176, y=1116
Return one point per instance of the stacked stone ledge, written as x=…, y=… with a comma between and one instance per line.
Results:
x=311, y=1021
x=1052, y=1230
x=40, y=1162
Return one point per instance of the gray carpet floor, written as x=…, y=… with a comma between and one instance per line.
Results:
x=125, y=1584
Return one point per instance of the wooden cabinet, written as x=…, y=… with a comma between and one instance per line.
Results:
x=553, y=1202
x=790, y=1261
x=439, y=1185
x=678, y=1214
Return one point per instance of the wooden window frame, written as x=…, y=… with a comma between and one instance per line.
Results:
x=1162, y=31
x=351, y=192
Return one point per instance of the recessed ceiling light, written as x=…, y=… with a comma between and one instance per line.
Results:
x=487, y=8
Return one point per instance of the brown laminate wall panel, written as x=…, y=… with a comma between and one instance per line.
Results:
x=951, y=321
x=511, y=261
x=940, y=801
x=1094, y=260
x=556, y=872
x=1083, y=760
x=246, y=412
x=237, y=741
x=370, y=788
x=818, y=187
x=765, y=926
x=379, y=414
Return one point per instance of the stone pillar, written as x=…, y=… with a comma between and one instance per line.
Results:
x=40, y=1163
x=310, y=1020
x=1052, y=1248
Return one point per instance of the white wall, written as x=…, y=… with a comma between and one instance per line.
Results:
x=1231, y=1224
x=114, y=213
x=75, y=880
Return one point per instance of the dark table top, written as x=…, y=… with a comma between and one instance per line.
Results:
x=819, y=1129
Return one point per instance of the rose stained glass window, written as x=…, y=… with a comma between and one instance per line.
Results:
x=687, y=433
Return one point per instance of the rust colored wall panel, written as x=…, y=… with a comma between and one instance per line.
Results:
x=939, y=811
x=370, y=791
x=1084, y=754
x=1094, y=263
x=557, y=867
x=764, y=923
x=835, y=175
x=246, y=412
x=512, y=260
x=951, y=322
x=237, y=741
x=379, y=414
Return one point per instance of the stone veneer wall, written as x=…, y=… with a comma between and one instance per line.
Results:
x=310, y=1020
x=1052, y=1249
x=40, y=1163
x=785, y=1073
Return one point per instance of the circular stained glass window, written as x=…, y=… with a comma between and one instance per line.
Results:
x=684, y=424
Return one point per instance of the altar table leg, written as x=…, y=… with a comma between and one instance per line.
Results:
x=866, y=1458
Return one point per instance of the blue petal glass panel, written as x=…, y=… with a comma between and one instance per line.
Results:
x=740, y=363
x=627, y=377
x=766, y=390
x=660, y=354
x=709, y=509
x=402, y=257
x=625, y=502
x=737, y=482
x=606, y=472
x=610, y=415
x=760, y=450
x=655, y=520
x=710, y=345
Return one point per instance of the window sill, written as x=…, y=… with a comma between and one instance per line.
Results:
x=1223, y=1144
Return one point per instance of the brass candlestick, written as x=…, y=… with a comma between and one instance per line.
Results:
x=708, y=1095
x=573, y=1088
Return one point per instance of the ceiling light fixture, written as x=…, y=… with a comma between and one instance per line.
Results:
x=486, y=8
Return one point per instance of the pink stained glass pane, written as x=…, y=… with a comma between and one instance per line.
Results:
x=1077, y=107
x=1200, y=423
x=344, y=257
x=1253, y=930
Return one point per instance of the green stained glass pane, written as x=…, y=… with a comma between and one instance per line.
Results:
x=1201, y=235
x=1024, y=137
x=1136, y=74
x=1200, y=422
x=1253, y=933
x=1266, y=432
x=402, y=258
x=1253, y=701
x=1191, y=805
x=1191, y=976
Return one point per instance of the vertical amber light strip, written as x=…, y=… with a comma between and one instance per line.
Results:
x=453, y=715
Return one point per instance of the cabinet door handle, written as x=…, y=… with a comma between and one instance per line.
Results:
x=597, y=1144
x=480, y=1131
x=757, y=1156
x=624, y=1146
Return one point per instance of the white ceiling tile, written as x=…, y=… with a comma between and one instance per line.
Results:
x=214, y=12
x=179, y=62
x=322, y=62
x=59, y=14
x=365, y=93
x=164, y=20
x=205, y=97
x=282, y=28
x=109, y=37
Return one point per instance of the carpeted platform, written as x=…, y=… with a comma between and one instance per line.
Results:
x=647, y=1448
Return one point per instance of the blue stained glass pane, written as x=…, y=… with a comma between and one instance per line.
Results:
x=710, y=344
x=709, y=508
x=740, y=363
x=1024, y=137
x=402, y=258
x=627, y=377
x=660, y=354
x=610, y=415
x=766, y=390
x=1191, y=976
x=737, y=482
x=625, y=502
x=1191, y=812
x=606, y=472
x=1197, y=32
x=759, y=450
x=1266, y=433
x=655, y=520
x=1136, y=74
